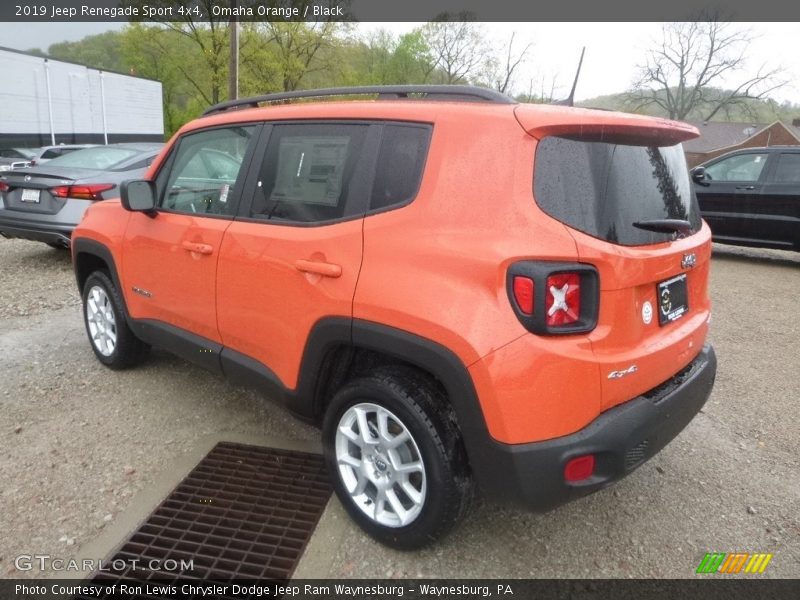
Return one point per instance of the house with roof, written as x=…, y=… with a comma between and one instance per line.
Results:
x=717, y=138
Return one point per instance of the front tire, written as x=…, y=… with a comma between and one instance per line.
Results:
x=396, y=458
x=112, y=341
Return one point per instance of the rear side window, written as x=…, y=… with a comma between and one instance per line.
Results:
x=603, y=188
x=400, y=163
x=788, y=169
x=306, y=173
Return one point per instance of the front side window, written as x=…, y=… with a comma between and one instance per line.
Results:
x=205, y=170
x=307, y=171
x=742, y=167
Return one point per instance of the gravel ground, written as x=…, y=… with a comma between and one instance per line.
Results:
x=78, y=441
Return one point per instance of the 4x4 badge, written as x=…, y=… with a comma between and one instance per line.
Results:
x=688, y=260
x=623, y=372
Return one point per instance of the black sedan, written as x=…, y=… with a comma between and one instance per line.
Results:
x=46, y=203
x=752, y=197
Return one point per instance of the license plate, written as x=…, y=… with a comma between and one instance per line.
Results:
x=30, y=196
x=673, y=299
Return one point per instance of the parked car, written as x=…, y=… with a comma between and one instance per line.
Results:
x=461, y=290
x=45, y=203
x=48, y=153
x=752, y=197
x=15, y=157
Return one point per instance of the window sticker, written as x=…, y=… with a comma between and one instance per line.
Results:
x=310, y=169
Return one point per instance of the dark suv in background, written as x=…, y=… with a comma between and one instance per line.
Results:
x=752, y=197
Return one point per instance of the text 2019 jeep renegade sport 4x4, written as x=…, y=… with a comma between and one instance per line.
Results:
x=464, y=291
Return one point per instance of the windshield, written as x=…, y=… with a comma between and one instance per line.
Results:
x=100, y=158
x=604, y=188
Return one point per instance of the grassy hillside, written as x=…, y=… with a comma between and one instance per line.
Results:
x=756, y=111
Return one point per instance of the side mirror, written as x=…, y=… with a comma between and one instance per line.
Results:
x=139, y=195
x=699, y=175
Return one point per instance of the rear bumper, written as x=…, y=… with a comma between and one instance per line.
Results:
x=621, y=439
x=38, y=231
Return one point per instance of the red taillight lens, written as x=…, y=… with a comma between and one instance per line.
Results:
x=563, y=299
x=4, y=187
x=82, y=192
x=554, y=298
x=579, y=468
x=523, y=294
x=61, y=191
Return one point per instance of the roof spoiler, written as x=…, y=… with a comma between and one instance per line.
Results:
x=601, y=126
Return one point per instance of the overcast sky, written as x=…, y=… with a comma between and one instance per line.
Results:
x=612, y=49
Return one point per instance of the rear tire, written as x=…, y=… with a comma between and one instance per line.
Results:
x=395, y=457
x=112, y=341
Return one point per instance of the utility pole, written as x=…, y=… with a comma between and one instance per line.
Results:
x=233, y=70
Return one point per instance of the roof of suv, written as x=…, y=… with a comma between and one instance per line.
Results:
x=425, y=104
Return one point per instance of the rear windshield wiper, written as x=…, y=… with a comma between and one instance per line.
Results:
x=665, y=226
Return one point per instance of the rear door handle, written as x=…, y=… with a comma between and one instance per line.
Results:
x=199, y=248
x=319, y=268
x=745, y=187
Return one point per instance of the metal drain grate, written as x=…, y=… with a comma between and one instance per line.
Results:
x=244, y=512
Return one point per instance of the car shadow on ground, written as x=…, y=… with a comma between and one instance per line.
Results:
x=784, y=258
x=44, y=256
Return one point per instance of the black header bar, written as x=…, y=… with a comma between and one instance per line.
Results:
x=42, y=11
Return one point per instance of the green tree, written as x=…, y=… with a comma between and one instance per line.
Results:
x=458, y=49
x=157, y=52
x=99, y=51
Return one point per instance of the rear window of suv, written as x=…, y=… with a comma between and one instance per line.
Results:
x=602, y=188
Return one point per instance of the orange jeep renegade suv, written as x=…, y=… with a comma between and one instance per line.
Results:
x=463, y=290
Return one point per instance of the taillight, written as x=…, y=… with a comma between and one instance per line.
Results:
x=523, y=294
x=554, y=298
x=563, y=299
x=82, y=192
x=4, y=187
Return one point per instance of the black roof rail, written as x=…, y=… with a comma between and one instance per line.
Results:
x=466, y=93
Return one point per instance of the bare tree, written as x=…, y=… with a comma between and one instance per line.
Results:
x=457, y=47
x=541, y=90
x=504, y=67
x=692, y=68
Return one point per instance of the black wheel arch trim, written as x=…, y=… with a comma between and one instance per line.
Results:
x=425, y=354
x=94, y=248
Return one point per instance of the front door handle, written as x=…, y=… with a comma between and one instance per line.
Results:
x=745, y=187
x=325, y=269
x=197, y=247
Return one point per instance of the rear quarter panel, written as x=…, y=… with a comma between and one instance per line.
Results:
x=437, y=267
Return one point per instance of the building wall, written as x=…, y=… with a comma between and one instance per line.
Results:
x=78, y=99
x=775, y=135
